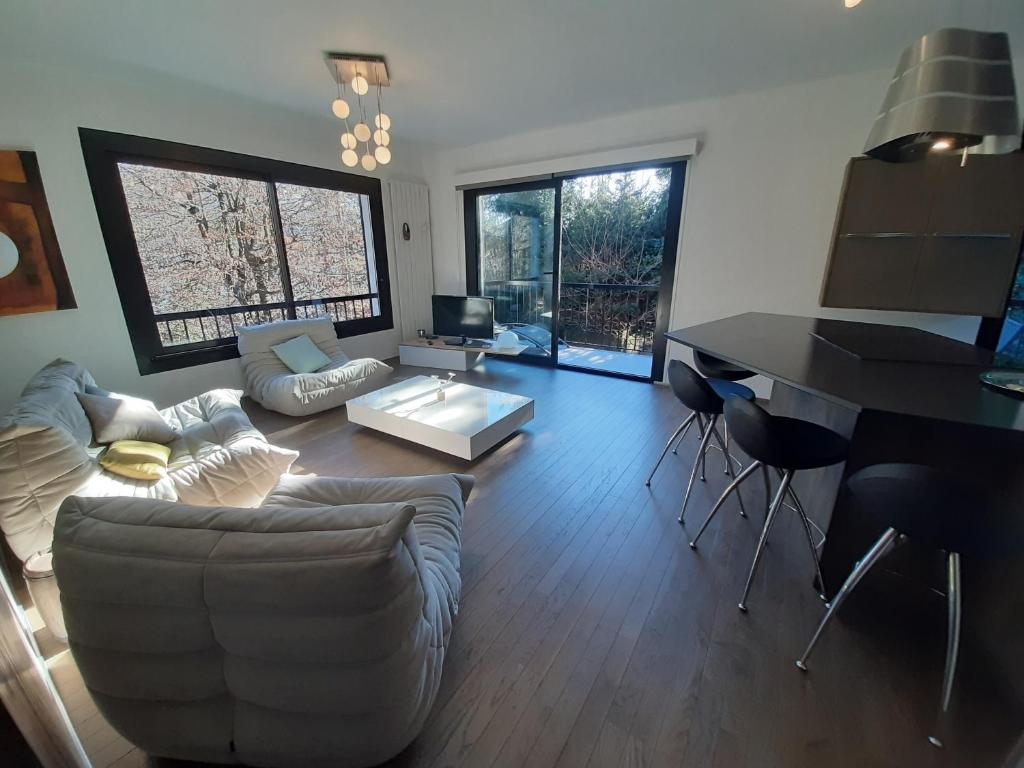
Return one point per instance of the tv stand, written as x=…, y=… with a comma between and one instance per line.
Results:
x=460, y=356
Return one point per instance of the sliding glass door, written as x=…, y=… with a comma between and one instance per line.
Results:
x=516, y=258
x=580, y=267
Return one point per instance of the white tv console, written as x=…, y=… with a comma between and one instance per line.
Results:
x=434, y=353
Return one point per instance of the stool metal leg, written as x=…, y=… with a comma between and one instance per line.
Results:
x=767, y=491
x=806, y=521
x=704, y=447
x=773, y=513
x=810, y=544
x=734, y=485
x=728, y=469
x=954, y=598
x=694, y=416
x=798, y=505
x=878, y=549
x=680, y=433
x=698, y=462
x=728, y=457
x=700, y=432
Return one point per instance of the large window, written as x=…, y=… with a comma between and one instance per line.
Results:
x=202, y=242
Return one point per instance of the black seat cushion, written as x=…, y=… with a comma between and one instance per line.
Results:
x=933, y=507
x=780, y=441
x=725, y=389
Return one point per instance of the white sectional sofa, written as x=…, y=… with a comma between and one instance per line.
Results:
x=271, y=383
x=308, y=632
x=46, y=455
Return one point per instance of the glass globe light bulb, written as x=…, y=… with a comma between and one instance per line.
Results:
x=383, y=155
x=362, y=131
x=360, y=85
x=368, y=162
x=348, y=140
x=382, y=121
x=340, y=108
x=381, y=137
x=350, y=158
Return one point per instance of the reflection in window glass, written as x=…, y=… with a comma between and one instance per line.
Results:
x=325, y=241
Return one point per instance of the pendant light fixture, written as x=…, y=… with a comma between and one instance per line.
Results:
x=952, y=89
x=360, y=144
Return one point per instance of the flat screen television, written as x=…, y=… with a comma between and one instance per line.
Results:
x=469, y=316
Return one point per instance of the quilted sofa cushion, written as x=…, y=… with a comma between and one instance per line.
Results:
x=43, y=455
x=310, y=634
x=272, y=384
x=221, y=458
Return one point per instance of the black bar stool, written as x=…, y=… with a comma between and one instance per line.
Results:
x=683, y=389
x=712, y=367
x=787, y=445
x=930, y=507
x=705, y=398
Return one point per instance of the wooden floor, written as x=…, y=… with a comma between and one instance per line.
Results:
x=590, y=634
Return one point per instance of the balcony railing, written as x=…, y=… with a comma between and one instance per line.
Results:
x=600, y=315
x=221, y=323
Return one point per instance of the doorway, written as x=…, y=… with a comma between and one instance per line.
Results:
x=580, y=266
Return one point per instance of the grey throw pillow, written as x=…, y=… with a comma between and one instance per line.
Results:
x=120, y=417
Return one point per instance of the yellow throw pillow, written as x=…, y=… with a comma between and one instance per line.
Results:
x=136, y=459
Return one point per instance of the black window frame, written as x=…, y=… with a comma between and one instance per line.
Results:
x=678, y=167
x=104, y=150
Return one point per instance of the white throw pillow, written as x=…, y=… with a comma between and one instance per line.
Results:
x=237, y=475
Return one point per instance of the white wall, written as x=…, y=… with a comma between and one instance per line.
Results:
x=760, y=201
x=42, y=110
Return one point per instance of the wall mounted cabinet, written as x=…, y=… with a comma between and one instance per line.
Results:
x=929, y=236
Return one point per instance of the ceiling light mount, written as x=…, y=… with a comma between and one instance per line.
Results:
x=344, y=67
x=360, y=73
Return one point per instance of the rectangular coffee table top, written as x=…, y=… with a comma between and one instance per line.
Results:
x=466, y=410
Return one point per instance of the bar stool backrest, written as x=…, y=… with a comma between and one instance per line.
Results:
x=750, y=426
x=692, y=389
x=715, y=368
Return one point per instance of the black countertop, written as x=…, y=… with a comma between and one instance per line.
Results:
x=785, y=348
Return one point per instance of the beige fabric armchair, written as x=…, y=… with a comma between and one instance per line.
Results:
x=271, y=384
x=308, y=632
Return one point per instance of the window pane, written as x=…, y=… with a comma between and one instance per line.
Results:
x=1010, y=349
x=613, y=246
x=206, y=242
x=516, y=232
x=325, y=239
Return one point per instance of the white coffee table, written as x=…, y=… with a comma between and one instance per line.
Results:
x=469, y=421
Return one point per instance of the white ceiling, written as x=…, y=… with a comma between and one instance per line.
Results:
x=471, y=70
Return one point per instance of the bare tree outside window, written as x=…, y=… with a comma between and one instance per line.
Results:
x=204, y=240
x=207, y=242
x=325, y=241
